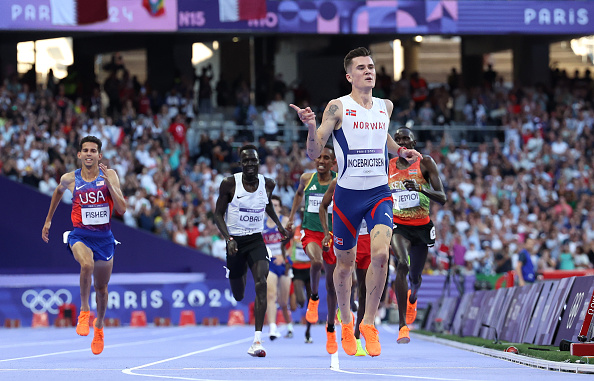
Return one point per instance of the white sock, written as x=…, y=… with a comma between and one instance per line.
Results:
x=290, y=327
x=258, y=337
x=272, y=327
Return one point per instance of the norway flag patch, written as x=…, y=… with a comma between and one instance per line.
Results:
x=350, y=112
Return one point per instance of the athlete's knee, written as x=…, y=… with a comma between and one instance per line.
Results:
x=402, y=268
x=380, y=258
x=87, y=267
x=101, y=289
x=261, y=287
x=317, y=264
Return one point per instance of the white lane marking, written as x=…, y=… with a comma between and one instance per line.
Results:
x=131, y=370
x=142, y=342
x=404, y=376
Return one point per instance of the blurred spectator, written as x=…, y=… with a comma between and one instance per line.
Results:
x=205, y=90
x=525, y=269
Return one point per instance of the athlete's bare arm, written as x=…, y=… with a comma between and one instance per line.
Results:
x=326, y=200
x=226, y=192
x=304, y=179
x=113, y=183
x=66, y=182
x=316, y=139
x=270, y=184
x=431, y=174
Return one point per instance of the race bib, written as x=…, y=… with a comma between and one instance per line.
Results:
x=366, y=162
x=314, y=201
x=404, y=199
x=251, y=218
x=95, y=214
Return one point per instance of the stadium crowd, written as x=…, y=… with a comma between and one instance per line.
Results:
x=528, y=188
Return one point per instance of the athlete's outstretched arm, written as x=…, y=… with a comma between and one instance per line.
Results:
x=66, y=182
x=326, y=200
x=317, y=138
x=270, y=184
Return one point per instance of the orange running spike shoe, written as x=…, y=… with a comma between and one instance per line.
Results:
x=411, y=310
x=97, y=343
x=331, y=345
x=403, y=336
x=372, y=344
x=312, y=311
x=82, y=327
x=349, y=342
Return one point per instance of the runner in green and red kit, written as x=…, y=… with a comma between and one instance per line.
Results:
x=312, y=187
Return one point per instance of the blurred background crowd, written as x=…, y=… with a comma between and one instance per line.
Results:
x=516, y=162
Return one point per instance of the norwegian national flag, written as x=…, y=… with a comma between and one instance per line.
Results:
x=236, y=10
x=351, y=112
x=78, y=12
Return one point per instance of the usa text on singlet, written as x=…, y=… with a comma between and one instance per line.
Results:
x=92, y=204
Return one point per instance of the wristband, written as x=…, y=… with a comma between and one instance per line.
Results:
x=229, y=239
x=401, y=149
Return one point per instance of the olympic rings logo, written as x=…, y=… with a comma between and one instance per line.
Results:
x=46, y=300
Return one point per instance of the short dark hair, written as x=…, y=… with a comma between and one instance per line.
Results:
x=358, y=52
x=277, y=198
x=331, y=148
x=405, y=128
x=247, y=147
x=90, y=139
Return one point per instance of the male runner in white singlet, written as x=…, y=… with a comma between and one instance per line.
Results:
x=359, y=125
x=239, y=215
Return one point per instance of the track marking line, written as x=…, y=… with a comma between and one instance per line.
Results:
x=131, y=370
x=107, y=346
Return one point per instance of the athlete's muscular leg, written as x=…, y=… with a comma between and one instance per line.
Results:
x=283, y=297
x=330, y=292
x=238, y=284
x=299, y=290
x=401, y=247
x=418, y=256
x=238, y=287
x=314, y=252
x=361, y=275
x=345, y=264
x=102, y=274
x=84, y=256
x=271, y=294
x=377, y=271
x=260, y=273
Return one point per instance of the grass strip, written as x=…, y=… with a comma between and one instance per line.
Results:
x=544, y=352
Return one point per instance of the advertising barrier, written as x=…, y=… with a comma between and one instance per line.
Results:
x=121, y=15
x=575, y=310
x=391, y=16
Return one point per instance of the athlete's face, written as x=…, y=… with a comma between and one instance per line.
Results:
x=405, y=138
x=277, y=207
x=89, y=154
x=362, y=72
x=250, y=162
x=325, y=161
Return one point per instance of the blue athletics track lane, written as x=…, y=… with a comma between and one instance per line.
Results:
x=220, y=353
